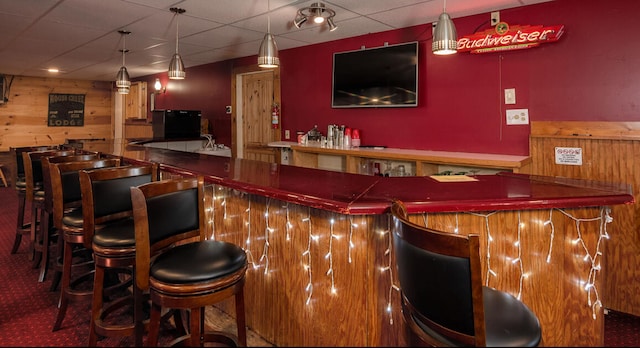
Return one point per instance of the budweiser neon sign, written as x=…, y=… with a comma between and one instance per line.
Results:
x=506, y=38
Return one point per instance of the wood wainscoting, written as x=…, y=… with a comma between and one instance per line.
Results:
x=610, y=153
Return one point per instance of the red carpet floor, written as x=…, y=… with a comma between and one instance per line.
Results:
x=28, y=309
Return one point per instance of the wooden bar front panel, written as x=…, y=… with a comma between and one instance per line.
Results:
x=319, y=278
x=610, y=153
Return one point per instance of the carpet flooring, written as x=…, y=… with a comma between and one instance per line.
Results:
x=28, y=308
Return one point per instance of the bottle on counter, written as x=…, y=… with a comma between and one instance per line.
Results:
x=355, y=138
x=346, y=143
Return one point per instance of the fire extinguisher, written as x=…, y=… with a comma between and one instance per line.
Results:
x=275, y=116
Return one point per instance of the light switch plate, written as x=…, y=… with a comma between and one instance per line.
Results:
x=510, y=96
x=518, y=116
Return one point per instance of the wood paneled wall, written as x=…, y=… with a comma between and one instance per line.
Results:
x=610, y=153
x=24, y=115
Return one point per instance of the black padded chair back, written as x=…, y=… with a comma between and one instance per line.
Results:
x=32, y=162
x=165, y=212
x=17, y=155
x=46, y=172
x=173, y=214
x=106, y=193
x=443, y=299
x=65, y=184
x=436, y=278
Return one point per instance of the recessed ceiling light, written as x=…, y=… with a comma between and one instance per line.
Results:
x=53, y=70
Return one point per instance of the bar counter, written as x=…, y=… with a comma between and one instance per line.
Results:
x=320, y=243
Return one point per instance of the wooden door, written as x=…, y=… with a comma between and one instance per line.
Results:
x=136, y=101
x=253, y=131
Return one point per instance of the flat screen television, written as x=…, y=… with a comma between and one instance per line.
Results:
x=385, y=76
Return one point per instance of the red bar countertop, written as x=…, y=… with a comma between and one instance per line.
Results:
x=347, y=193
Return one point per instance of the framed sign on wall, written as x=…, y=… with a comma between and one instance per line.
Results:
x=66, y=110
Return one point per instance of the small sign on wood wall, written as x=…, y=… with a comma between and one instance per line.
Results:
x=66, y=110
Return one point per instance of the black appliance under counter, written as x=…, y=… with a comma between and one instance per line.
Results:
x=176, y=124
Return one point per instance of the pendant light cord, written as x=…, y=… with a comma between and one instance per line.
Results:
x=124, y=45
x=268, y=17
x=177, y=28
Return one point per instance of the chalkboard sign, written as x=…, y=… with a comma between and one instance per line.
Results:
x=66, y=110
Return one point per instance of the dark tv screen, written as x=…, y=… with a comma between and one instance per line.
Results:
x=385, y=76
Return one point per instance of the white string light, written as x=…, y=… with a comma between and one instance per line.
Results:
x=489, y=240
x=592, y=258
x=288, y=224
x=552, y=234
x=329, y=256
x=267, y=231
x=247, y=242
x=388, y=268
x=307, y=253
x=519, y=259
x=351, y=226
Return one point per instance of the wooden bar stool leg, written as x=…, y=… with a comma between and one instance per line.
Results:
x=21, y=227
x=4, y=179
x=64, y=285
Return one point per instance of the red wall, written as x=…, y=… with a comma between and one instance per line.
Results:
x=590, y=74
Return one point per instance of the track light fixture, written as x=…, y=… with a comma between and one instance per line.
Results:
x=176, y=66
x=318, y=12
x=122, y=79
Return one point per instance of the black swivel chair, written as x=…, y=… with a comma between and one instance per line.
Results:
x=443, y=300
x=109, y=232
x=180, y=268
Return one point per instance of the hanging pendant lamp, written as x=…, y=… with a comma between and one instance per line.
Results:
x=176, y=67
x=268, y=53
x=122, y=79
x=445, y=38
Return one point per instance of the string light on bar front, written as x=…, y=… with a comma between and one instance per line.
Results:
x=307, y=253
x=489, y=240
x=329, y=256
x=210, y=211
x=351, y=226
x=288, y=224
x=267, y=231
x=592, y=258
x=247, y=243
x=389, y=268
x=552, y=235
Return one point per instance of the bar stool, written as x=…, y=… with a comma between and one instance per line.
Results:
x=77, y=262
x=34, y=192
x=2, y=177
x=109, y=233
x=43, y=237
x=20, y=185
x=179, y=267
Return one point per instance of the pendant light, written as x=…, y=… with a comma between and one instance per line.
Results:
x=268, y=53
x=122, y=79
x=445, y=39
x=176, y=67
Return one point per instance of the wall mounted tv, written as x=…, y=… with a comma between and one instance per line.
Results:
x=385, y=76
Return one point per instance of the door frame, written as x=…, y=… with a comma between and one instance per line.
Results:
x=236, y=101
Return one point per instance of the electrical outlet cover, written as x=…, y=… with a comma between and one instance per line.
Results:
x=518, y=116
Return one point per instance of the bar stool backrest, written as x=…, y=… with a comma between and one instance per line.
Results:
x=106, y=194
x=165, y=212
x=65, y=184
x=32, y=162
x=46, y=172
x=17, y=175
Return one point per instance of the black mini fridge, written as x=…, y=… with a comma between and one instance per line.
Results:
x=176, y=124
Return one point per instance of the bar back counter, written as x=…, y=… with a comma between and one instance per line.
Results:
x=321, y=256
